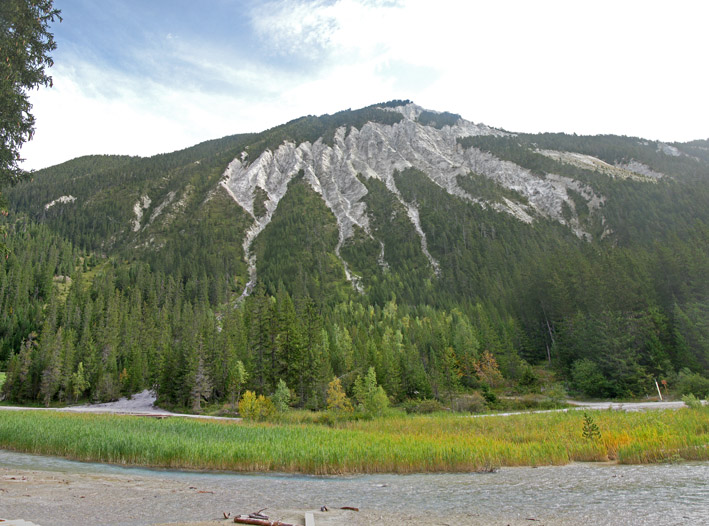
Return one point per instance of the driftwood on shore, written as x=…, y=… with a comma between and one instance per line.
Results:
x=260, y=522
x=259, y=519
x=259, y=515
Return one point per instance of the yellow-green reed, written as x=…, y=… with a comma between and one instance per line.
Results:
x=396, y=444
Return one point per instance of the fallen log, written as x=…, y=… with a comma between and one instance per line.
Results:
x=349, y=508
x=260, y=522
x=259, y=515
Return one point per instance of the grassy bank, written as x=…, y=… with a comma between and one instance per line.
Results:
x=399, y=444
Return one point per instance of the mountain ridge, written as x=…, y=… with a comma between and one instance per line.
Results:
x=395, y=237
x=333, y=152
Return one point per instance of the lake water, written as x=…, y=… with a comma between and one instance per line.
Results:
x=666, y=494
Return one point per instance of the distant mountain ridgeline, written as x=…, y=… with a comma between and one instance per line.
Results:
x=587, y=254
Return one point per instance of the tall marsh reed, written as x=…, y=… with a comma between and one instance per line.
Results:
x=400, y=444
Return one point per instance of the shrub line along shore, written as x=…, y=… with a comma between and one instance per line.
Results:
x=393, y=444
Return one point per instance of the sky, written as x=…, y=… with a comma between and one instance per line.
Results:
x=142, y=77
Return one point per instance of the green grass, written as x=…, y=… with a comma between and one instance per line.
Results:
x=436, y=443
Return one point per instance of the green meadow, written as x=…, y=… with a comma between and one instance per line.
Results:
x=400, y=444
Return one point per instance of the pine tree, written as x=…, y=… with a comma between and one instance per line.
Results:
x=291, y=349
x=260, y=313
x=487, y=370
x=79, y=383
x=25, y=47
x=18, y=385
x=322, y=368
x=201, y=386
x=590, y=428
x=371, y=398
x=311, y=357
x=237, y=378
x=50, y=347
x=67, y=363
x=450, y=372
x=387, y=364
x=281, y=397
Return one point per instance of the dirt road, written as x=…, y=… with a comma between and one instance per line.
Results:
x=144, y=404
x=141, y=404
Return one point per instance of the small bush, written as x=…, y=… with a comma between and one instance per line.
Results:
x=556, y=394
x=282, y=397
x=692, y=401
x=590, y=428
x=588, y=379
x=694, y=384
x=490, y=397
x=371, y=398
x=254, y=407
x=529, y=378
x=472, y=403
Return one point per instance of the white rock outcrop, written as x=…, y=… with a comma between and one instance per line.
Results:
x=630, y=170
x=63, y=200
x=379, y=150
x=138, y=208
x=639, y=168
x=668, y=149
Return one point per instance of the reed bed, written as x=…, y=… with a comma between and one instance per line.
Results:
x=402, y=444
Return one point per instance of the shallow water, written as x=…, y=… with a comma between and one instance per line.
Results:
x=664, y=494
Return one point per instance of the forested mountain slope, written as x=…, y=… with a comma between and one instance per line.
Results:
x=412, y=241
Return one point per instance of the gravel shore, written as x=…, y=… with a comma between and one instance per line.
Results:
x=70, y=499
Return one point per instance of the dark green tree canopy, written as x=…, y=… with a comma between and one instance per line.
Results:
x=25, y=44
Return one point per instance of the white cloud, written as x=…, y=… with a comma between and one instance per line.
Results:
x=603, y=67
x=632, y=67
x=91, y=111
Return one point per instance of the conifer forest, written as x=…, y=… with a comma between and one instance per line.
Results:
x=105, y=292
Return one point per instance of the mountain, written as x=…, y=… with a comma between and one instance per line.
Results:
x=557, y=238
x=139, y=205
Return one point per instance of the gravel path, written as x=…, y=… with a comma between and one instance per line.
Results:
x=140, y=404
x=629, y=406
x=144, y=404
x=600, y=406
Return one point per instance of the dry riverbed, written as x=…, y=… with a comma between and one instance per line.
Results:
x=63, y=499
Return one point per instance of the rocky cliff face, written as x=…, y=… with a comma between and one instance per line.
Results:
x=378, y=150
